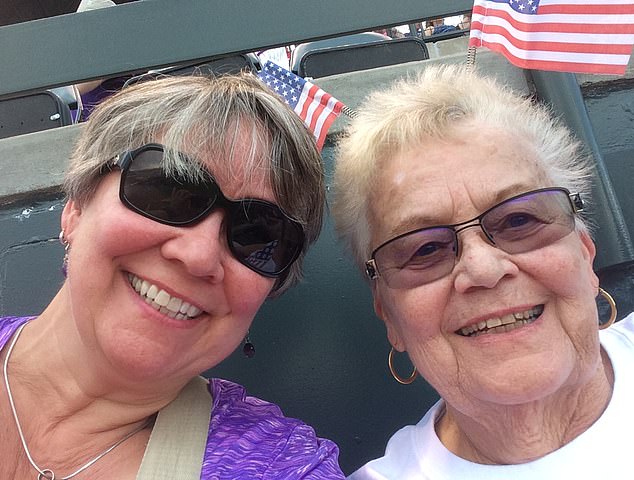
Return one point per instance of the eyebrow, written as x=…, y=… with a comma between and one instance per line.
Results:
x=511, y=191
x=413, y=222
x=417, y=221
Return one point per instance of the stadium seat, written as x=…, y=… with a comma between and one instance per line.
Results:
x=315, y=61
x=32, y=113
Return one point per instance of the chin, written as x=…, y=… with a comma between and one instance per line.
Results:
x=517, y=386
x=140, y=367
x=135, y=359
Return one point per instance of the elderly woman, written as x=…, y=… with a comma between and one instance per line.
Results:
x=462, y=201
x=190, y=201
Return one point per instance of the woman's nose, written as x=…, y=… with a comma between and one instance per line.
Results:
x=480, y=264
x=201, y=248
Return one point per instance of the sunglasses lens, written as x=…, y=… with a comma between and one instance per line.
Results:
x=530, y=221
x=263, y=238
x=260, y=236
x=417, y=258
x=168, y=199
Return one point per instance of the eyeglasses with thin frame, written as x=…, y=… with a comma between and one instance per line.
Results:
x=519, y=224
x=259, y=234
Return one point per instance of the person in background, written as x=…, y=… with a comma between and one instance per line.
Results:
x=91, y=93
x=436, y=26
x=464, y=204
x=465, y=22
x=191, y=200
x=17, y=11
x=391, y=32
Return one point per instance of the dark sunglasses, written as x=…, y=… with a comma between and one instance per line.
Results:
x=519, y=224
x=259, y=234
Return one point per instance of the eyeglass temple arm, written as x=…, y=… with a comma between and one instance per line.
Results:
x=371, y=270
x=577, y=202
x=121, y=161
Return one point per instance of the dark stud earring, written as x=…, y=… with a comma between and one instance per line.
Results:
x=64, y=242
x=248, y=349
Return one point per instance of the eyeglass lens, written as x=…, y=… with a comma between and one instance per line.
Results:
x=260, y=235
x=520, y=224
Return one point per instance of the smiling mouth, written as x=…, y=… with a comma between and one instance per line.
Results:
x=162, y=301
x=502, y=324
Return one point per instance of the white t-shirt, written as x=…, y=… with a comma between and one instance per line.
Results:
x=603, y=452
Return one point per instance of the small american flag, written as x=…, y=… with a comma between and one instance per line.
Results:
x=261, y=258
x=315, y=107
x=582, y=36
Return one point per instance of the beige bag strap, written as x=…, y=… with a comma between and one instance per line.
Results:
x=179, y=437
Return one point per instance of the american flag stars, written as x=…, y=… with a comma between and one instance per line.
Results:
x=560, y=35
x=315, y=107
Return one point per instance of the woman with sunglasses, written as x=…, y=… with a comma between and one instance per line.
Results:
x=190, y=202
x=462, y=202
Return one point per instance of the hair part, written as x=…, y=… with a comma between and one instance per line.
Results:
x=202, y=115
x=435, y=105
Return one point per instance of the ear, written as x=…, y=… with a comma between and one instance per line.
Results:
x=392, y=332
x=589, y=251
x=589, y=248
x=71, y=215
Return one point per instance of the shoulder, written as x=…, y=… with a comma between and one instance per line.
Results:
x=8, y=325
x=621, y=332
x=236, y=411
x=251, y=438
x=626, y=324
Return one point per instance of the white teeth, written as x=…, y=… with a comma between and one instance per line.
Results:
x=162, y=301
x=174, y=304
x=502, y=324
x=184, y=307
x=152, y=291
x=162, y=298
x=493, y=322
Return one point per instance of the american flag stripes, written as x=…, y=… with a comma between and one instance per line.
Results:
x=582, y=36
x=315, y=107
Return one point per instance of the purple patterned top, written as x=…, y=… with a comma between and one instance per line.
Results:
x=248, y=437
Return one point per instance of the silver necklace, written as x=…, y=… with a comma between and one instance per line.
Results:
x=47, y=473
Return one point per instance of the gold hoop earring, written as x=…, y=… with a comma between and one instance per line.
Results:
x=397, y=377
x=612, y=303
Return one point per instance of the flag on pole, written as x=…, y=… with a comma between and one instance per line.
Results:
x=581, y=36
x=315, y=107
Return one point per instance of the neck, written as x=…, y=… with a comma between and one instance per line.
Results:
x=58, y=356
x=66, y=397
x=507, y=435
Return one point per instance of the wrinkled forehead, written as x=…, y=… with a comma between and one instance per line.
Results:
x=489, y=139
x=448, y=180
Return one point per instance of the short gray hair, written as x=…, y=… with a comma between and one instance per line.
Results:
x=433, y=105
x=199, y=114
